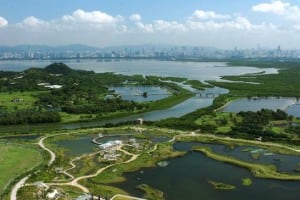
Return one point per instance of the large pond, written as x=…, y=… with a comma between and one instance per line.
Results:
x=284, y=163
x=273, y=103
x=187, y=178
x=79, y=145
x=135, y=93
x=76, y=146
x=192, y=70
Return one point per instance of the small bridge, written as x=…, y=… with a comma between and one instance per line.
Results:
x=207, y=95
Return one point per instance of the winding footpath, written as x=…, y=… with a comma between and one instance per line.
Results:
x=74, y=181
x=52, y=154
x=126, y=197
x=20, y=184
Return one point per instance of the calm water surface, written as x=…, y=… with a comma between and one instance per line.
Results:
x=284, y=163
x=187, y=178
x=78, y=145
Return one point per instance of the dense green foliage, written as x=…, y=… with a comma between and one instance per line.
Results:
x=58, y=88
x=253, y=123
x=28, y=117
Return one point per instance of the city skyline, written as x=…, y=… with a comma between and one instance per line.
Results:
x=111, y=23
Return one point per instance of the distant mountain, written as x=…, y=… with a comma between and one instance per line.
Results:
x=58, y=68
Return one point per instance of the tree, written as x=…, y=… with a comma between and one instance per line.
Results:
x=145, y=94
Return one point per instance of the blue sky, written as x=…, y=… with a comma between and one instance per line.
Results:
x=219, y=23
x=16, y=10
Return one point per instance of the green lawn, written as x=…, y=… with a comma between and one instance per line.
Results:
x=27, y=99
x=15, y=160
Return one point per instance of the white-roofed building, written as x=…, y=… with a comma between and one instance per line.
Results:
x=111, y=145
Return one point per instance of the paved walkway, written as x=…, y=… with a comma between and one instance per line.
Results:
x=52, y=154
x=125, y=196
x=14, y=191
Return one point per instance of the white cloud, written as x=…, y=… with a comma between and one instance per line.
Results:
x=206, y=15
x=3, y=22
x=145, y=27
x=200, y=27
x=210, y=20
x=281, y=8
x=161, y=26
x=277, y=7
x=79, y=20
x=93, y=17
x=135, y=17
x=238, y=23
x=32, y=22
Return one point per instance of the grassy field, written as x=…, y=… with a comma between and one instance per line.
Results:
x=26, y=100
x=15, y=160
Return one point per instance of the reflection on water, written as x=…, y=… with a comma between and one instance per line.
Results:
x=256, y=104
